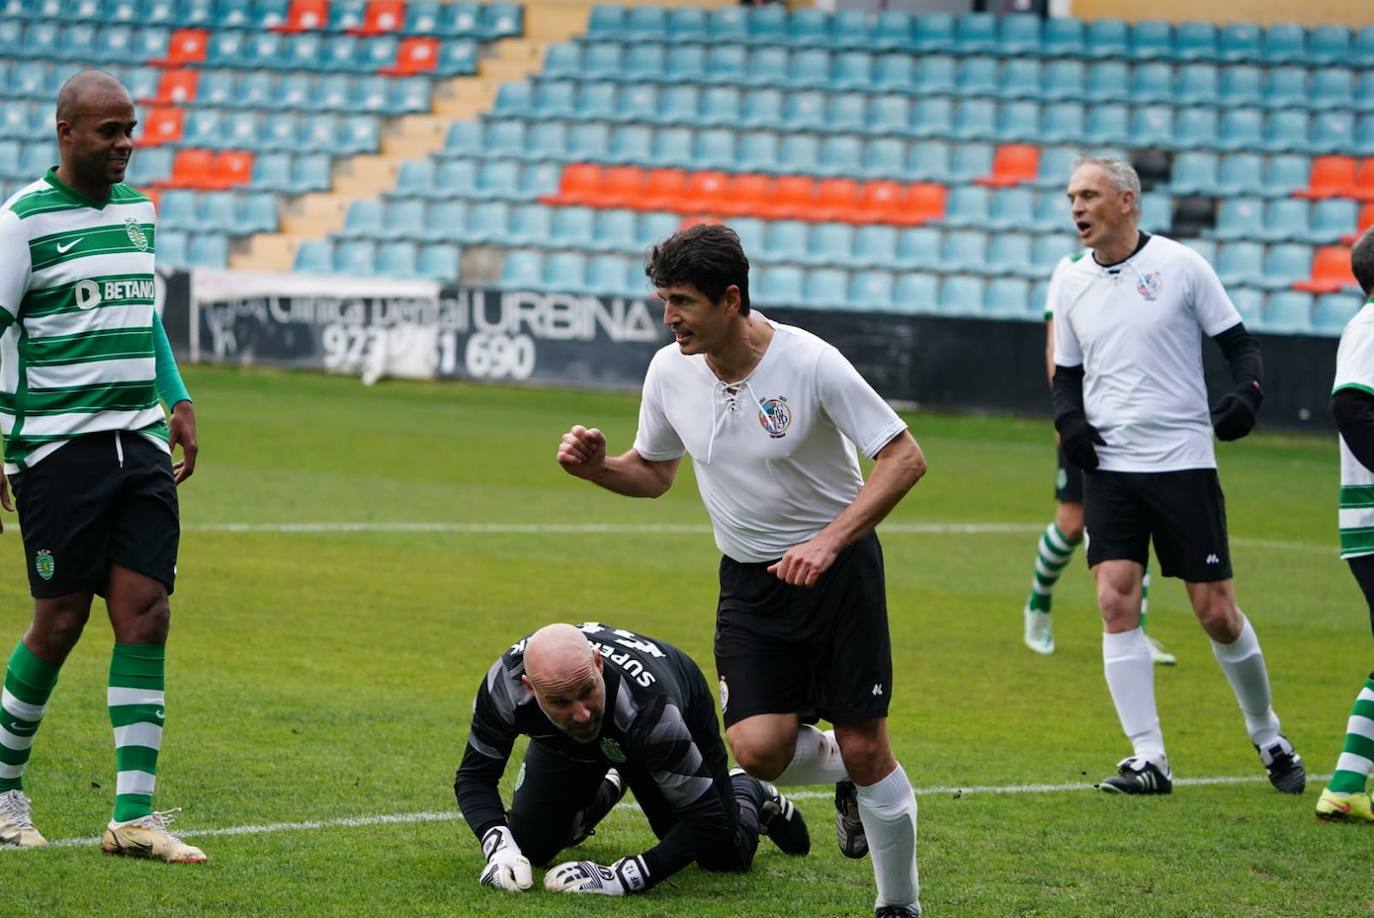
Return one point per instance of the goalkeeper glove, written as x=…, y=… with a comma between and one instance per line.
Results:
x=1077, y=437
x=625, y=876
x=1234, y=416
x=506, y=868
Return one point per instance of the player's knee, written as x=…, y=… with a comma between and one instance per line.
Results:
x=763, y=759
x=535, y=842
x=1219, y=618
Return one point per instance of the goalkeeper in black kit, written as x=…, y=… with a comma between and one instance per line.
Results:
x=607, y=711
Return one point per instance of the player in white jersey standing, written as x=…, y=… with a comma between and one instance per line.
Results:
x=1056, y=544
x=771, y=416
x=1131, y=410
x=1345, y=796
x=83, y=361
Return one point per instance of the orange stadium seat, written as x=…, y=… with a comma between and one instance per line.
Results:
x=233, y=167
x=305, y=16
x=176, y=87
x=836, y=199
x=1013, y=164
x=793, y=198
x=1364, y=180
x=417, y=54
x=880, y=202
x=161, y=125
x=925, y=202
x=579, y=184
x=705, y=191
x=381, y=18
x=186, y=46
x=1330, y=271
x=747, y=193
x=663, y=189
x=193, y=169
x=1331, y=177
x=621, y=186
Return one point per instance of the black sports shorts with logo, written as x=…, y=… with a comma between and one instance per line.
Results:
x=100, y=499
x=1068, y=481
x=820, y=651
x=1183, y=512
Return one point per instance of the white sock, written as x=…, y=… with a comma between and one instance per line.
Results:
x=888, y=812
x=816, y=761
x=1243, y=663
x=1131, y=680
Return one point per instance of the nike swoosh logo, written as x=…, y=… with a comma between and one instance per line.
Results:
x=64, y=249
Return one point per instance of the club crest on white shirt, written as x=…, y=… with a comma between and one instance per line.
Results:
x=1149, y=285
x=775, y=416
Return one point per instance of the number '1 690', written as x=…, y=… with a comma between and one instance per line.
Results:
x=488, y=356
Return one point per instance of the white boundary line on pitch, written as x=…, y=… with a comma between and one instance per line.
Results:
x=326, y=528
x=351, y=822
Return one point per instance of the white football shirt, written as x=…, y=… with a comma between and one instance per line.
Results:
x=774, y=452
x=1136, y=329
x=1355, y=370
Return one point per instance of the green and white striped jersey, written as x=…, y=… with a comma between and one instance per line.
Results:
x=76, y=318
x=1355, y=370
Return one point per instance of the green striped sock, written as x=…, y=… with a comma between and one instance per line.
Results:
x=28, y=684
x=136, y=711
x=1051, y=557
x=1357, y=758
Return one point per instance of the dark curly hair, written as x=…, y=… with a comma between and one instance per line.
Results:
x=1362, y=261
x=708, y=256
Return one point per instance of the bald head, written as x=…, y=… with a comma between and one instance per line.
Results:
x=89, y=92
x=557, y=656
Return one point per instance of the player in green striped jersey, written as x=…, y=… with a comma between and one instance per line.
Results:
x=87, y=448
x=1346, y=796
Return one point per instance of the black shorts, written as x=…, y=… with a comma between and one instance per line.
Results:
x=821, y=651
x=1068, y=483
x=83, y=509
x=1183, y=512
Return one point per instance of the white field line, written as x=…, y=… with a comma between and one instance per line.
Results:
x=640, y=529
x=350, y=822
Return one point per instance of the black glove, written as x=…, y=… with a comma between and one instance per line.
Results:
x=1077, y=437
x=1234, y=416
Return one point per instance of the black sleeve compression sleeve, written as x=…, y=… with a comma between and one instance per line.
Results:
x=1353, y=410
x=476, y=788
x=1243, y=354
x=1067, y=391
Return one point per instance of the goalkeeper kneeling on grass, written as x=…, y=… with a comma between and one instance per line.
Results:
x=607, y=711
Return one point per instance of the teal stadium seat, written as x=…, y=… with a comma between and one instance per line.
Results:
x=645, y=22
x=487, y=223
x=825, y=287
x=875, y=246
x=1331, y=219
x=845, y=111
x=447, y=221
x=1107, y=39
x=1010, y=253
x=645, y=61
x=171, y=249
x=976, y=33
x=1287, y=311
x=1241, y=85
x=1362, y=51
x=1064, y=79
x=890, y=30
x=1021, y=78
x=1241, y=262
x=687, y=64
x=564, y=60
x=606, y=275
x=1197, y=84
x=403, y=218
x=779, y=285
x=1240, y=42
x=589, y=141
x=786, y=240
x=1328, y=45
x=1063, y=122
x=1010, y=298
x=1240, y=174
x=841, y=155
x=522, y=270
x=721, y=105
x=977, y=76
x=600, y=60
x=1285, y=86
x=728, y=25
x=849, y=29
x=890, y=114
x=613, y=231
x=1108, y=124
x=928, y=161
x=919, y=248
x=932, y=32
x=440, y=262
x=883, y=158
x=597, y=100
x=1011, y=208
x=208, y=250
x=1152, y=81
x=1332, y=88
x=768, y=66
x=808, y=26
x=630, y=144
x=1239, y=129
x=1249, y=302
x=397, y=259
x=1284, y=43
x=851, y=70
x=961, y=294
x=1019, y=34
x=564, y=271
x=1284, y=265
x=217, y=211
x=967, y=161
x=1239, y=218
x=758, y=151
x=935, y=74
x=1332, y=311
x=571, y=226
x=932, y=117
x=964, y=250
x=1152, y=40
x=916, y=292
x=1194, y=172
x=831, y=244
x=688, y=23
x=672, y=147
x=1332, y=132
x=1195, y=41
x=871, y=291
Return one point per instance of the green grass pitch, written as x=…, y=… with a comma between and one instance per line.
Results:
x=320, y=676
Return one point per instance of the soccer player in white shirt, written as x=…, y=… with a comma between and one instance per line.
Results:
x=771, y=416
x=1056, y=544
x=1131, y=410
x=1346, y=796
